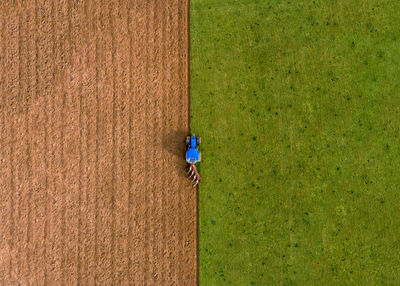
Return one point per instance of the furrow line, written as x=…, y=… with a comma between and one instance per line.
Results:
x=180, y=186
x=64, y=135
x=139, y=174
x=165, y=194
x=188, y=227
x=58, y=102
x=90, y=146
x=171, y=199
x=31, y=74
x=32, y=253
x=96, y=166
x=80, y=186
x=177, y=254
x=19, y=140
x=151, y=117
x=45, y=83
x=148, y=185
x=114, y=143
x=131, y=221
x=157, y=167
x=11, y=93
x=122, y=167
x=51, y=154
x=3, y=162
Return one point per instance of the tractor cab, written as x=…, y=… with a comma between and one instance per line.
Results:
x=193, y=154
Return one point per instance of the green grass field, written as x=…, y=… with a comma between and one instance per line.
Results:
x=298, y=107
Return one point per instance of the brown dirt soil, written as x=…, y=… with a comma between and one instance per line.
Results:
x=93, y=115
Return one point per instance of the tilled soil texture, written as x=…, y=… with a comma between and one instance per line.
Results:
x=94, y=113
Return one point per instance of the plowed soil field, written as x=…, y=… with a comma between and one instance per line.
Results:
x=94, y=109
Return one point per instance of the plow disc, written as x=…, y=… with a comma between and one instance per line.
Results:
x=192, y=173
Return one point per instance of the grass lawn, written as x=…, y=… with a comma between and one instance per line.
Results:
x=298, y=107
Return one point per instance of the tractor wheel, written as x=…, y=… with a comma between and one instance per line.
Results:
x=187, y=140
x=198, y=141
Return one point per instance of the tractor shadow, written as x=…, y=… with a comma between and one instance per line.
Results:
x=174, y=143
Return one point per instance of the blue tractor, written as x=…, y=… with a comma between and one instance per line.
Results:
x=193, y=156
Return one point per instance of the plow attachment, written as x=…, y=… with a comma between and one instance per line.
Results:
x=192, y=173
